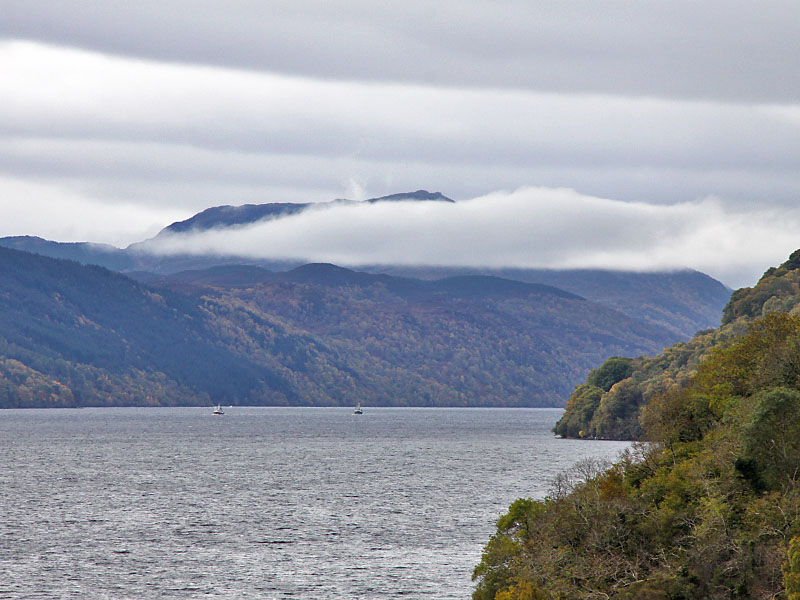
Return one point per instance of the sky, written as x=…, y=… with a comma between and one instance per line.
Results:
x=640, y=135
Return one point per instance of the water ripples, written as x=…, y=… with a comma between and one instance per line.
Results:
x=264, y=502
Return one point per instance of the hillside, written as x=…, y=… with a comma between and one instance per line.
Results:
x=612, y=410
x=683, y=301
x=459, y=341
x=708, y=509
x=86, y=253
x=74, y=335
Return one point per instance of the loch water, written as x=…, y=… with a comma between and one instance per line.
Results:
x=267, y=503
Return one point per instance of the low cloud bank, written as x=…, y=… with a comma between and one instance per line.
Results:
x=68, y=213
x=530, y=227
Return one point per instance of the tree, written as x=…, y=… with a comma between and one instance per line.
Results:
x=791, y=570
x=771, y=438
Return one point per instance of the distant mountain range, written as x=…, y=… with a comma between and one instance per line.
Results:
x=681, y=301
x=201, y=329
x=246, y=214
x=75, y=335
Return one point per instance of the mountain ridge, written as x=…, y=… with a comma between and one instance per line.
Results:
x=75, y=335
x=247, y=214
x=683, y=302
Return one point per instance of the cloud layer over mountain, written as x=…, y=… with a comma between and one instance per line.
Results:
x=531, y=227
x=121, y=117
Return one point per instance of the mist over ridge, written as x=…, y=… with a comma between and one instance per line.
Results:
x=526, y=228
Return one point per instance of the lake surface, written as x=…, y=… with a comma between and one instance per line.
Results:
x=264, y=503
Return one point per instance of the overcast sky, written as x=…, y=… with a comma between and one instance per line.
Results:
x=577, y=133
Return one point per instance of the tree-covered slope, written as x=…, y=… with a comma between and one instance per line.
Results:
x=73, y=335
x=683, y=301
x=613, y=410
x=456, y=342
x=709, y=509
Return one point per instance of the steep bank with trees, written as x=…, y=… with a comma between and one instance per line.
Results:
x=709, y=507
x=613, y=410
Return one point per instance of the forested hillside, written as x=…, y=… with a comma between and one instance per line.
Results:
x=709, y=508
x=612, y=410
x=73, y=335
x=682, y=301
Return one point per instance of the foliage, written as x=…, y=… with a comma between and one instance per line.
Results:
x=618, y=414
x=319, y=335
x=709, y=508
x=791, y=570
x=778, y=290
x=614, y=370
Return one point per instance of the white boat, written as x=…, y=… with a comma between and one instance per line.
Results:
x=358, y=410
x=218, y=410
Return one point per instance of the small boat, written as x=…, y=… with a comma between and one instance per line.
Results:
x=218, y=410
x=358, y=410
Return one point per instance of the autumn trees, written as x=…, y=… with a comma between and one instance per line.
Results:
x=708, y=508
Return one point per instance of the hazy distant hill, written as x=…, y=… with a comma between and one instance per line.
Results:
x=682, y=302
x=86, y=253
x=231, y=216
x=73, y=335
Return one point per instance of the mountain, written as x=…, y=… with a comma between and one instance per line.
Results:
x=329, y=275
x=87, y=253
x=709, y=508
x=247, y=214
x=138, y=258
x=614, y=408
x=418, y=196
x=682, y=302
x=446, y=336
x=231, y=216
x=74, y=335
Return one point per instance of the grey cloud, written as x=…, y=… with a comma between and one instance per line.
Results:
x=195, y=125
x=646, y=102
x=731, y=50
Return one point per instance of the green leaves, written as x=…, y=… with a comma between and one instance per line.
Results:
x=771, y=440
x=612, y=371
x=706, y=507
